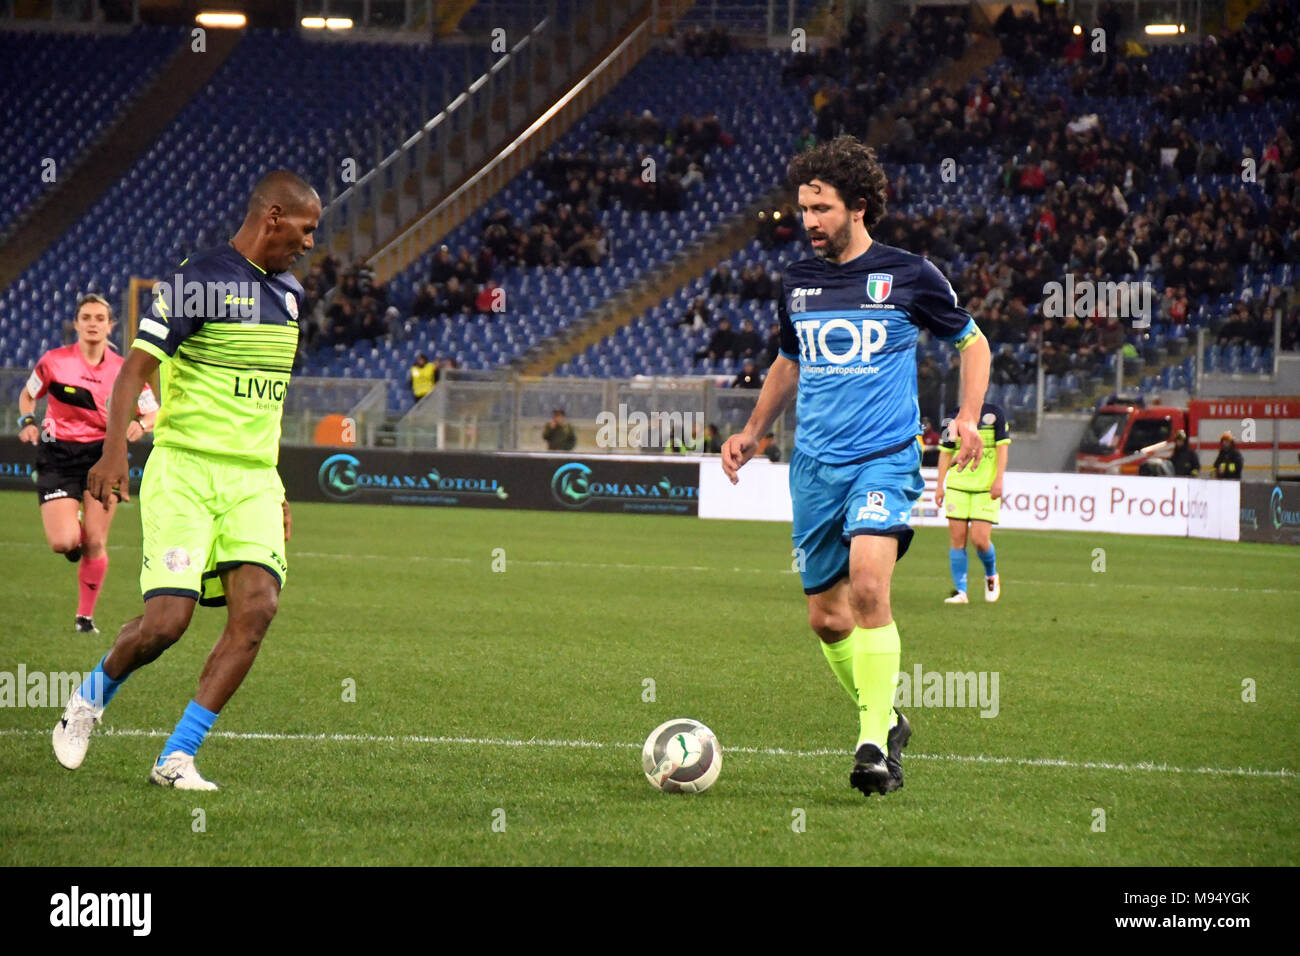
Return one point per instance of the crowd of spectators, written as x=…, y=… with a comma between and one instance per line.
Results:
x=845, y=79
x=461, y=284
x=698, y=42
x=1252, y=320
x=342, y=307
x=563, y=229
x=358, y=310
x=1094, y=217
x=1093, y=220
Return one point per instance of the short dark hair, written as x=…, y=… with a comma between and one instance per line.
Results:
x=851, y=167
x=282, y=186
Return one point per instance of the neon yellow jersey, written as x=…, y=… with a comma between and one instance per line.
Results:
x=225, y=332
x=993, y=429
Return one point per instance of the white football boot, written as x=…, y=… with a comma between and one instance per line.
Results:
x=177, y=770
x=992, y=588
x=72, y=732
x=958, y=597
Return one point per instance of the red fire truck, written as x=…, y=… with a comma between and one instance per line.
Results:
x=1126, y=432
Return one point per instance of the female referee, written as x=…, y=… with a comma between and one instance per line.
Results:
x=78, y=379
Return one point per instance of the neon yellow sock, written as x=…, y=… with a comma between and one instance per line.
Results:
x=840, y=656
x=876, y=654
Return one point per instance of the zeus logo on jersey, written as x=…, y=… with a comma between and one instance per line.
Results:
x=874, y=509
x=839, y=341
x=799, y=298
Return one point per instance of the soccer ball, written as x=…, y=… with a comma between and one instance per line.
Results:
x=681, y=756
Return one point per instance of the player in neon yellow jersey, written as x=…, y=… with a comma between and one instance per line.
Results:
x=212, y=506
x=973, y=500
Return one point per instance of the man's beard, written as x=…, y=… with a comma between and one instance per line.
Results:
x=836, y=243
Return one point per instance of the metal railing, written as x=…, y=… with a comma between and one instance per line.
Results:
x=774, y=20
x=11, y=383
x=362, y=403
x=493, y=175
x=1194, y=15
x=508, y=413
x=461, y=139
x=355, y=213
x=379, y=14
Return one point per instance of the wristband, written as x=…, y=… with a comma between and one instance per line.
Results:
x=25, y=420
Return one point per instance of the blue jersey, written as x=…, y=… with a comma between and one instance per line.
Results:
x=852, y=328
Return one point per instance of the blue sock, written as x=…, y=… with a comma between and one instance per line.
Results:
x=190, y=731
x=990, y=559
x=957, y=562
x=98, y=687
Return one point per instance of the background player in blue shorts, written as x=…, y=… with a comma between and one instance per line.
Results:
x=850, y=317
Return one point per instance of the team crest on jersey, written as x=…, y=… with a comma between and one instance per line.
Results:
x=878, y=286
x=291, y=304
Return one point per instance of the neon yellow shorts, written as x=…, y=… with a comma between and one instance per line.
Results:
x=971, y=506
x=203, y=515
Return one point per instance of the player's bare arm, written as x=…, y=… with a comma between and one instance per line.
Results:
x=30, y=433
x=995, y=490
x=945, y=462
x=112, y=470
x=778, y=389
x=288, y=519
x=976, y=359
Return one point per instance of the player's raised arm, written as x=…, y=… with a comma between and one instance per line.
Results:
x=112, y=470
x=778, y=388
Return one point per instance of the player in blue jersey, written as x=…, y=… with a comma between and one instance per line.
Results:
x=850, y=317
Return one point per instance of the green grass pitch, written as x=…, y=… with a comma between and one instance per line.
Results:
x=515, y=697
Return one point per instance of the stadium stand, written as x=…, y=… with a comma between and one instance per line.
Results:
x=1040, y=114
x=1005, y=233
x=744, y=89
x=74, y=85
x=187, y=191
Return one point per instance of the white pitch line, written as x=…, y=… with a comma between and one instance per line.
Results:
x=616, y=565
x=1147, y=587
x=761, y=751
x=630, y=566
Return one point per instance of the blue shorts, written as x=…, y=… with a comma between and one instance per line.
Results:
x=832, y=503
